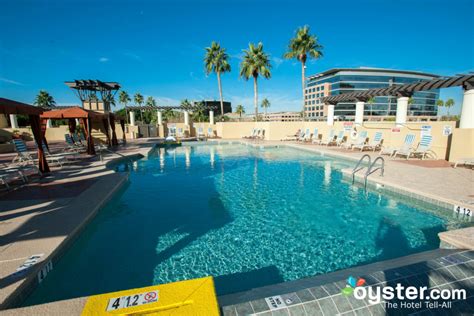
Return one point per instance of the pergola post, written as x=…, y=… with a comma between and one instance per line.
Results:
x=186, y=118
x=160, y=117
x=132, y=118
x=330, y=119
x=467, y=110
x=402, y=110
x=211, y=117
x=359, y=112
x=13, y=121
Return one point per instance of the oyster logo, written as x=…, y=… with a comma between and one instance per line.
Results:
x=352, y=283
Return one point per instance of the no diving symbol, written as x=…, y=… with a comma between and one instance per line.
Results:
x=150, y=296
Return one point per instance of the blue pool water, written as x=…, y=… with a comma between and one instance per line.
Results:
x=249, y=217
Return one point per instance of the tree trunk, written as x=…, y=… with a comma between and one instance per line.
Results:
x=220, y=94
x=302, y=85
x=126, y=114
x=255, y=97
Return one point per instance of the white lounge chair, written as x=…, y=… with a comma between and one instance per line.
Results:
x=292, y=137
x=315, y=137
x=465, y=161
x=329, y=139
x=360, y=141
x=339, y=139
x=307, y=136
x=407, y=145
x=200, y=133
x=423, y=148
x=252, y=134
x=374, y=144
x=210, y=133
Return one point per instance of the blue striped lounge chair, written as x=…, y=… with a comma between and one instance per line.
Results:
x=210, y=132
x=339, y=139
x=374, y=144
x=406, y=147
x=315, y=137
x=22, y=153
x=71, y=145
x=423, y=148
x=359, y=141
x=329, y=139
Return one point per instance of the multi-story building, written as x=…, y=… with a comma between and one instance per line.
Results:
x=282, y=116
x=345, y=80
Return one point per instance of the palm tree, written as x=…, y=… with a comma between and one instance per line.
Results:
x=44, y=100
x=150, y=101
x=124, y=98
x=240, y=110
x=449, y=103
x=255, y=62
x=371, y=102
x=439, y=103
x=216, y=60
x=265, y=105
x=199, y=111
x=138, y=98
x=302, y=46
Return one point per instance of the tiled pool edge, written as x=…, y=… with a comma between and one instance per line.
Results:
x=97, y=202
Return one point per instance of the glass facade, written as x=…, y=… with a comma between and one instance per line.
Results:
x=353, y=80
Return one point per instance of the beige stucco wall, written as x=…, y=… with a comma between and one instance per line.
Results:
x=279, y=130
x=462, y=145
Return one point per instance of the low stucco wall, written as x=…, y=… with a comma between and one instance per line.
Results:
x=462, y=144
x=279, y=130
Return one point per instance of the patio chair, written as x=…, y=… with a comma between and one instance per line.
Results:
x=77, y=140
x=340, y=139
x=407, y=144
x=210, y=132
x=292, y=137
x=300, y=136
x=261, y=135
x=171, y=131
x=257, y=134
x=9, y=175
x=359, y=141
x=315, y=137
x=329, y=139
x=252, y=134
x=71, y=145
x=423, y=148
x=374, y=144
x=200, y=133
x=61, y=157
x=22, y=153
x=181, y=133
x=464, y=161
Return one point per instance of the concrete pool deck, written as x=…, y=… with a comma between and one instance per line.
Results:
x=42, y=217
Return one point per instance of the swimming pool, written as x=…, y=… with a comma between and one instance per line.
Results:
x=247, y=216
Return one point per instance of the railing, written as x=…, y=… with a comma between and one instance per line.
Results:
x=370, y=170
x=110, y=151
x=357, y=167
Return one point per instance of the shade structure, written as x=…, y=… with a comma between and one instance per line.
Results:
x=8, y=106
x=72, y=112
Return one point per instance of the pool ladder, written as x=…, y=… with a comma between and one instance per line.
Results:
x=371, y=169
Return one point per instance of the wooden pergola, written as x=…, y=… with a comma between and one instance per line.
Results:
x=14, y=107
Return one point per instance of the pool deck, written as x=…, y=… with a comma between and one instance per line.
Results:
x=44, y=216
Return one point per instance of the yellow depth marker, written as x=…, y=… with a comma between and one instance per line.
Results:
x=191, y=297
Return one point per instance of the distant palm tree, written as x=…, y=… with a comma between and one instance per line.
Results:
x=449, y=103
x=138, y=98
x=240, y=110
x=150, y=101
x=186, y=105
x=93, y=98
x=265, y=105
x=216, y=60
x=44, y=100
x=371, y=102
x=199, y=111
x=169, y=114
x=255, y=62
x=124, y=98
x=302, y=46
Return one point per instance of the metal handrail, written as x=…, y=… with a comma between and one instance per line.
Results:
x=357, y=166
x=370, y=170
x=110, y=151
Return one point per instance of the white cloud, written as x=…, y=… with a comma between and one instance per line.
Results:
x=277, y=61
x=11, y=81
x=103, y=59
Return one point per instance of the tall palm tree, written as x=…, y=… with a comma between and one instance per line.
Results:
x=449, y=103
x=302, y=46
x=216, y=60
x=44, y=100
x=240, y=110
x=255, y=62
x=138, y=98
x=439, y=103
x=265, y=105
x=124, y=98
x=150, y=101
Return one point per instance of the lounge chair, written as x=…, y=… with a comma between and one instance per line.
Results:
x=464, y=161
x=22, y=153
x=59, y=157
x=306, y=136
x=172, y=131
x=257, y=134
x=373, y=145
x=329, y=139
x=8, y=176
x=360, y=141
x=315, y=136
x=407, y=145
x=300, y=136
x=293, y=137
x=181, y=133
x=71, y=145
x=252, y=134
x=210, y=132
x=200, y=133
x=261, y=135
x=340, y=139
x=423, y=148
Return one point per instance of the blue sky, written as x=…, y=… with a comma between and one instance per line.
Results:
x=156, y=47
